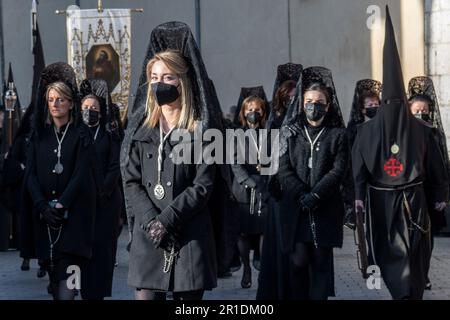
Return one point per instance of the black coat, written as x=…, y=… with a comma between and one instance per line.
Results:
x=98, y=276
x=388, y=227
x=74, y=188
x=249, y=223
x=329, y=170
x=183, y=210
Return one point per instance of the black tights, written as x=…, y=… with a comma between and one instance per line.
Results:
x=311, y=272
x=244, y=245
x=145, y=294
x=58, y=281
x=61, y=291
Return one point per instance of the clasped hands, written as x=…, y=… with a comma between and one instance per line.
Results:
x=53, y=215
x=309, y=201
x=158, y=234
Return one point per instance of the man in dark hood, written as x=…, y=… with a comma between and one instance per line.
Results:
x=395, y=160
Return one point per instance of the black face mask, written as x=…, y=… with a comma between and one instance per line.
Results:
x=253, y=117
x=164, y=93
x=371, y=112
x=315, y=111
x=90, y=117
x=423, y=116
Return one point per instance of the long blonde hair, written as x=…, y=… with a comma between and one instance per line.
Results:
x=177, y=64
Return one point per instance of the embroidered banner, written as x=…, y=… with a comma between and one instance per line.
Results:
x=99, y=46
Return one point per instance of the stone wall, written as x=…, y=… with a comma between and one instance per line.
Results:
x=437, y=39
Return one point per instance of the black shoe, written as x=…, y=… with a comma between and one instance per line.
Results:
x=41, y=273
x=246, y=282
x=50, y=289
x=25, y=265
x=350, y=220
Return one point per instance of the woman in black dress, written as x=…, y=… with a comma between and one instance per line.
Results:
x=98, y=114
x=366, y=101
x=273, y=280
x=424, y=105
x=59, y=201
x=249, y=186
x=172, y=242
x=314, y=159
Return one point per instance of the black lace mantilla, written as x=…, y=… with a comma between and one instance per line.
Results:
x=99, y=88
x=175, y=36
x=245, y=93
x=59, y=71
x=363, y=87
x=295, y=116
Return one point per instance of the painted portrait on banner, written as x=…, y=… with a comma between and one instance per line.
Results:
x=102, y=61
x=99, y=46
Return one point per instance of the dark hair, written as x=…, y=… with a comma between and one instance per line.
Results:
x=367, y=94
x=282, y=95
x=421, y=98
x=318, y=86
x=90, y=96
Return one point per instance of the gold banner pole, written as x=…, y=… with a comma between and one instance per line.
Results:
x=100, y=9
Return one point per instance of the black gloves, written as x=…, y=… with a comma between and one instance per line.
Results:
x=53, y=217
x=157, y=232
x=309, y=201
x=160, y=236
x=249, y=183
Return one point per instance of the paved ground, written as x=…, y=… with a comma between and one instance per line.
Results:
x=17, y=284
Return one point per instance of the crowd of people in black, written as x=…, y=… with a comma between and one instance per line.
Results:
x=79, y=173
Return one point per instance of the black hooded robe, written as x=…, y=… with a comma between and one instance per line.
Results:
x=395, y=160
x=400, y=250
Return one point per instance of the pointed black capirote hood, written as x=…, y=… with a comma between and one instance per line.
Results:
x=38, y=65
x=394, y=114
x=393, y=143
x=393, y=84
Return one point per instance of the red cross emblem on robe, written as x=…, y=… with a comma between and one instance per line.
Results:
x=393, y=167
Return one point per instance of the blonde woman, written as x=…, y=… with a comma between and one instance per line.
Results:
x=59, y=203
x=172, y=246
